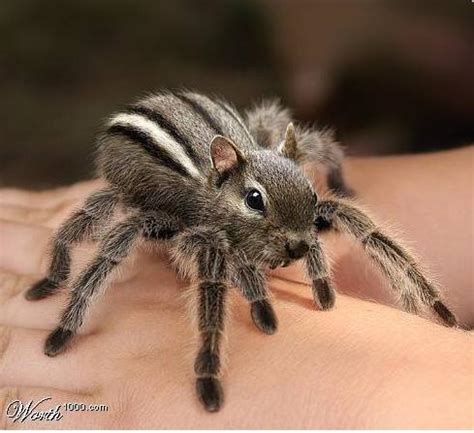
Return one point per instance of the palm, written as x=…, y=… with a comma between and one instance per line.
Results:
x=136, y=352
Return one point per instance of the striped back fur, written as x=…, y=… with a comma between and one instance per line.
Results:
x=156, y=151
x=173, y=130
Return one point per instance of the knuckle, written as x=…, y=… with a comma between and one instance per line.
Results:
x=124, y=407
x=44, y=260
x=5, y=338
x=8, y=394
x=10, y=285
x=56, y=217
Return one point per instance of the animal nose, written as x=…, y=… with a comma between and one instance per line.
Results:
x=297, y=249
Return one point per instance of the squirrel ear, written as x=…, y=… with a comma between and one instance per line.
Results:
x=289, y=146
x=224, y=154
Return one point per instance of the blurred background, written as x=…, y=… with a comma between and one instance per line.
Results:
x=389, y=76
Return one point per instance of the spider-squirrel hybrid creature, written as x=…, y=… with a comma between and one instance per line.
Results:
x=227, y=195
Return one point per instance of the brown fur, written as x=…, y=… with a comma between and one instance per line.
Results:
x=230, y=202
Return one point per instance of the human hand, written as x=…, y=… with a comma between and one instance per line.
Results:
x=134, y=353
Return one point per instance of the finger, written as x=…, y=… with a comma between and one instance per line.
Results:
x=16, y=311
x=24, y=363
x=94, y=412
x=23, y=247
x=47, y=217
x=50, y=198
x=24, y=214
x=10, y=285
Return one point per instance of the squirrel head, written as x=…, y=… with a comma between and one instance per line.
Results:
x=268, y=202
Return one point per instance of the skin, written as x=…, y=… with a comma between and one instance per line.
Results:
x=361, y=365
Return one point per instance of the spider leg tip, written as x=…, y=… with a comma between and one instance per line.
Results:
x=264, y=317
x=40, y=290
x=56, y=341
x=445, y=314
x=210, y=393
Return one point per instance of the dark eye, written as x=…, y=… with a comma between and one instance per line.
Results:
x=254, y=200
